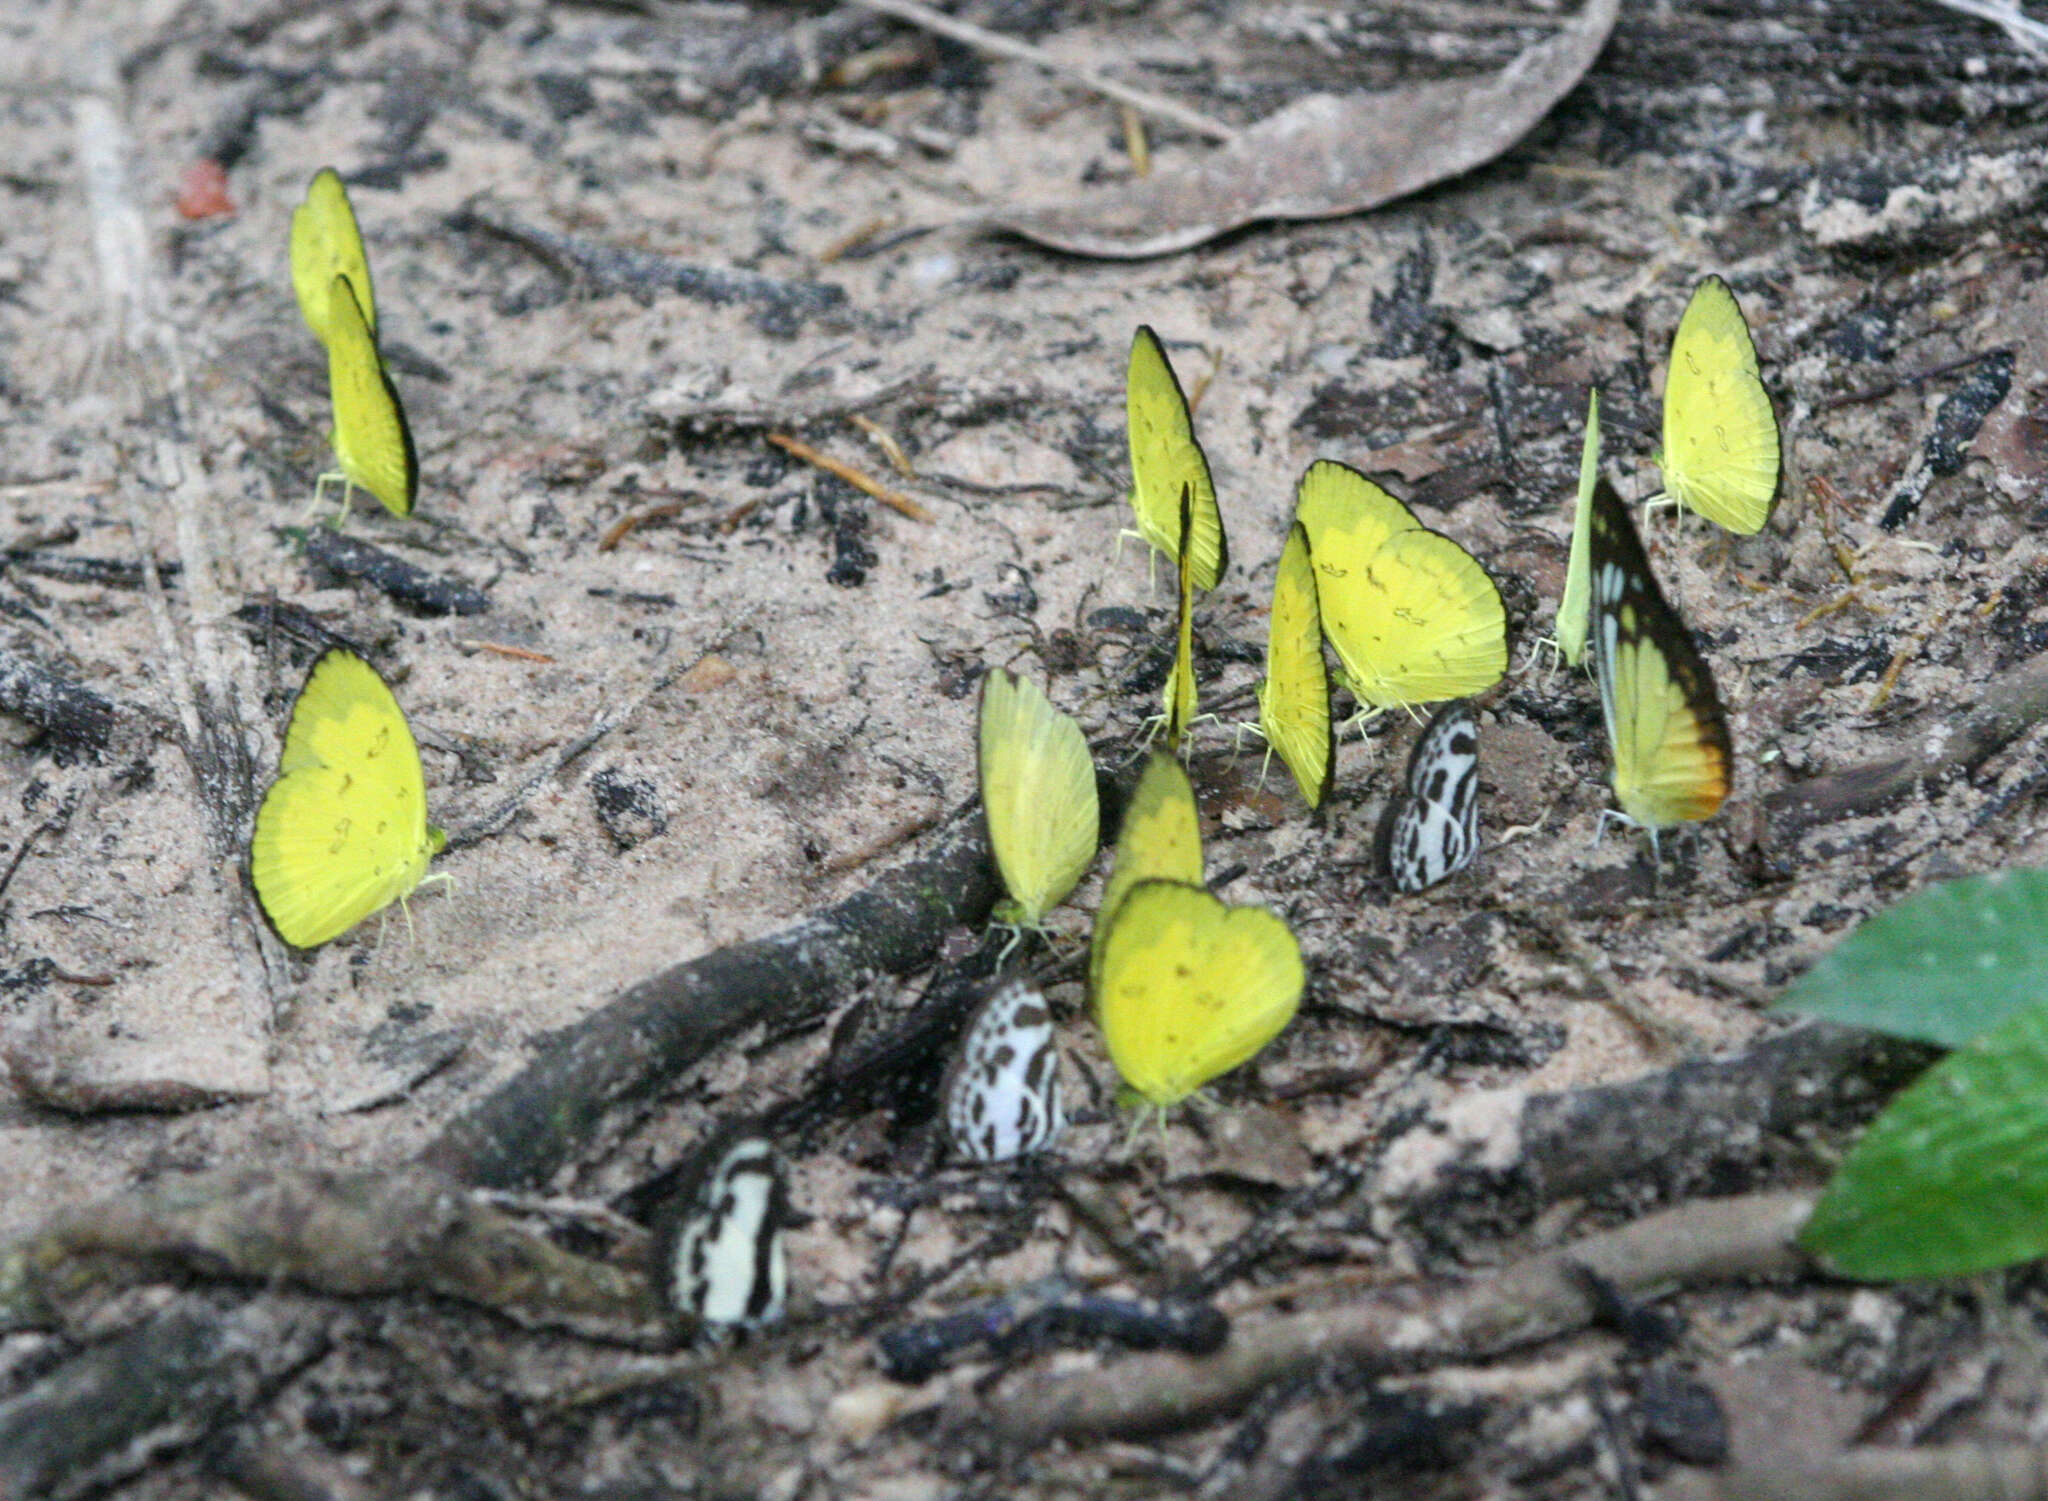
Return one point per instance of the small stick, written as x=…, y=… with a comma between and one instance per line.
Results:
x=1135, y=143
x=886, y=441
x=853, y=239
x=626, y=524
x=859, y=481
x=1002, y=46
x=516, y=653
x=28, y=841
x=737, y=514
x=1900, y=658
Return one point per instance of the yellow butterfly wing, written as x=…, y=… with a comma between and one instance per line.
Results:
x=1672, y=755
x=1038, y=791
x=1571, y=605
x=1180, y=681
x=1294, y=700
x=1161, y=839
x=1189, y=988
x=1720, y=454
x=325, y=244
x=1412, y=616
x=343, y=830
x=1333, y=501
x=1166, y=459
x=371, y=436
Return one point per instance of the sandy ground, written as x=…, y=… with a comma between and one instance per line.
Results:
x=798, y=728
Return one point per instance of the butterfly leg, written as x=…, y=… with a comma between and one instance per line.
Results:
x=411, y=935
x=321, y=486
x=1607, y=816
x=1145, y=1114
x=1536, y=649
x=1361, y=717
x=1016, y=933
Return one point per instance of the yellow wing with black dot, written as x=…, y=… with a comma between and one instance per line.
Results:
x=343, y=830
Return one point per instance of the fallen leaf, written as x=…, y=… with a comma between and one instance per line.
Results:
x=1326, y=155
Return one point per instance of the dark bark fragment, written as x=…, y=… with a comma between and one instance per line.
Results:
x=77, y=720
x=432, y=593
x=163, y=1386
x=618, y=1058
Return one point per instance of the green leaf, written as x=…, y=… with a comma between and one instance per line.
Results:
x=1953, y=1177
x=1944, y=965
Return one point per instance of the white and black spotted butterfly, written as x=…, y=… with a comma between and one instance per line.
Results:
x=1431, y=831
x=719, y=1254
x=1002, y=1094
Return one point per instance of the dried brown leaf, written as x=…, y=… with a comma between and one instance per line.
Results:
x=1326, y=155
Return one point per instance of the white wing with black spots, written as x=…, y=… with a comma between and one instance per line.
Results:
x=1002, y=1096
x=1432, y=827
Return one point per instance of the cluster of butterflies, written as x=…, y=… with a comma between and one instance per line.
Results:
x=1184, y=986
x=343, y=831
x=1413, y=618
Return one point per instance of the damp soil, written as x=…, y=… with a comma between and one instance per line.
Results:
x=677, y=687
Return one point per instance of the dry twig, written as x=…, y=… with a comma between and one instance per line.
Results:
x=2010, y=704
x=895, y=500
x=997, y=45
x=1399, y=1328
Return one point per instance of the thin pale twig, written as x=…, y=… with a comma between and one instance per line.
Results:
x=1002, y=46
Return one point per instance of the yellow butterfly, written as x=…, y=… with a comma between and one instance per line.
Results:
x=1672, y=757
x=325, y=244
x=1167, y=461
x=343, y=831
x=1161, y=839
x=371, y=437
x=1038, y=790
x=1180, y=682
x=1189, y=988
x=1720, y=454
x=1571, y=605
x=1413, y=617
x=1294, y=699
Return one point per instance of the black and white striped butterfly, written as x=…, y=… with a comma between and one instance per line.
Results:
x=1002, y=1094
x=719, y=1254
x=1431, y=831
